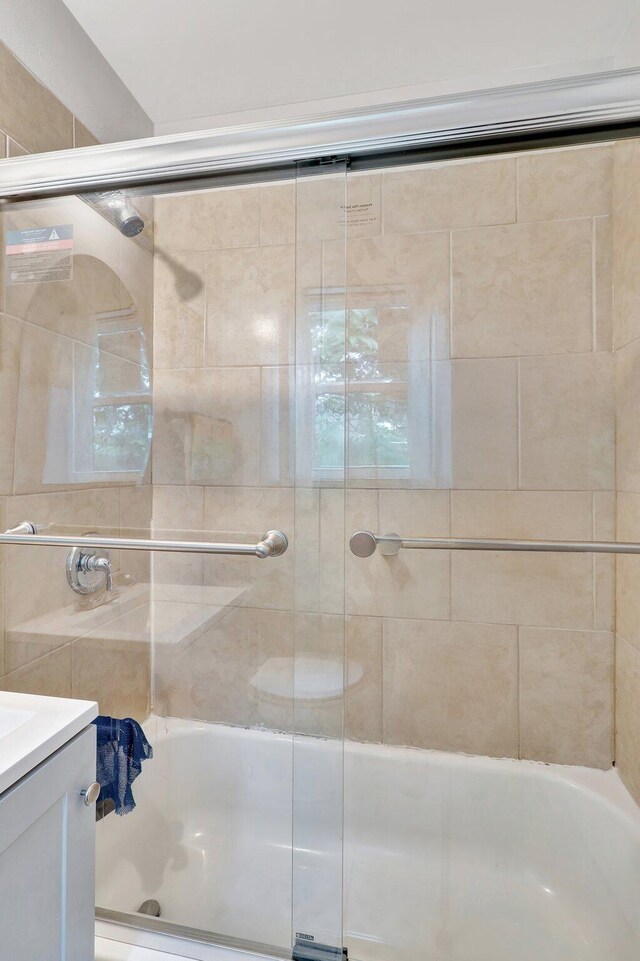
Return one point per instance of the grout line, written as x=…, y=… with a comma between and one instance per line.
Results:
x=519, y=421
x=593, y=562
x=518, y=697
x=594, y=319
x=205, y=307
x=382, y=672
x=450, y=294
x=450, y=558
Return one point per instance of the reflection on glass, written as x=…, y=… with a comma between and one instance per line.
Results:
x=120, y=437
x=122, y=415
x=84, y=390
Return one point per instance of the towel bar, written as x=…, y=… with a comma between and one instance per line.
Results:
x=365, y=543
x=273, y=544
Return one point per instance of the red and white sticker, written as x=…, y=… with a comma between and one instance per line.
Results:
x=39, y=255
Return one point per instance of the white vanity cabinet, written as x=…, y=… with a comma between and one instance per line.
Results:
x=47, y=857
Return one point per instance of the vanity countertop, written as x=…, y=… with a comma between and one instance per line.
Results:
x=33, y=727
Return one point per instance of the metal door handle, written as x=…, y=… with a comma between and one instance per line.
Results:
x=90, y=794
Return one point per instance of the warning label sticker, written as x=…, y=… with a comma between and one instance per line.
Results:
x=39, y=255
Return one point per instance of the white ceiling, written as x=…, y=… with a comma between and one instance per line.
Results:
x=191, y=62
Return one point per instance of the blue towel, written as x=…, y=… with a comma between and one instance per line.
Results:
x=122, y=747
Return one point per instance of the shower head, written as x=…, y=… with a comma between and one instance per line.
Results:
x=128, y=220
x=123, y=213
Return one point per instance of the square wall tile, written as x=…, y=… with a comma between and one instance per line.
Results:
x=278, y=214
x=565, y=184
x=527, y=515
x=545, y=590
x=208, y=219
x=321, y=527
x=317, y=675
x=251, y=307
x=421, y=259
x=413, y=583
x=604, y=565
x=628, y=570
x=245, y=514
x=626, y=168
x=604, y=282
x=179, y=310
x=411, y=513
x=28, y=111
x=11, y=339
x=626, y=270
x=522, y=289
x=178, y=512
x=114, y=672
x=49, y=676
x=567, y=422
x=363, y=696
x=450, y=686
x=566, y=697
x=439, y=197
x=335, y=206
x=215, y=678
x=207, y=425
x=135, y=521
x=484, y=423
x=627, y=407
x=627, y=722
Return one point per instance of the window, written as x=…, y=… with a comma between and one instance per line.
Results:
x=366, y=391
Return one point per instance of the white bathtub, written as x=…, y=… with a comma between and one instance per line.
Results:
x=447, y=858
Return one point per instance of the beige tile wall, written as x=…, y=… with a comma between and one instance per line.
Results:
x=492, y=285
x=626, y=334
x=47, y=339
x=502, y=269
x=32, y=120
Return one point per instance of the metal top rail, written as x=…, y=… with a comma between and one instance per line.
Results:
x=542, y=107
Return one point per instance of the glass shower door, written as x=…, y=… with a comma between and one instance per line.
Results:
x=319, y=636
x=188, y=384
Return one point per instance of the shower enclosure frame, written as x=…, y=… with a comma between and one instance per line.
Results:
x=573, y=110
x=568, y=111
